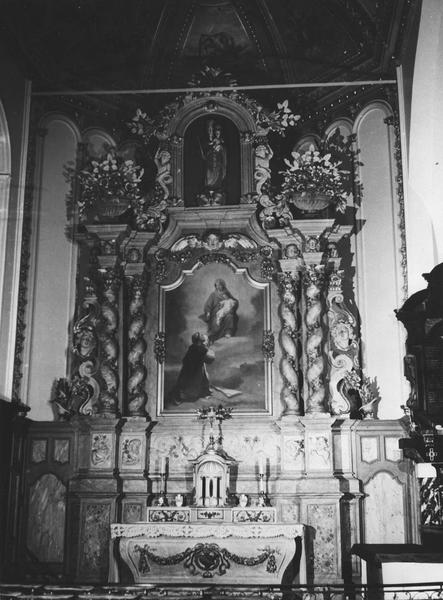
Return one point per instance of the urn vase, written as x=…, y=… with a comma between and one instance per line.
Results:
x=111, y=208
x=310, y=201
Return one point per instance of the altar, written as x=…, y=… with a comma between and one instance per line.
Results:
x=211, y=539
x=177, y=552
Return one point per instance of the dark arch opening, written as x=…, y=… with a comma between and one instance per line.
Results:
x=211, y=162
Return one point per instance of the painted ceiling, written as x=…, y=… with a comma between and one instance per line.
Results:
x=136, y=44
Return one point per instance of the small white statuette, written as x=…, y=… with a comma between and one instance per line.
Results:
x=178, y=500
x=243, y=500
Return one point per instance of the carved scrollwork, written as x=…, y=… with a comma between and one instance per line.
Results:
x=84, y=387
x=168, y=516
x=206, y=559
x=343, y=344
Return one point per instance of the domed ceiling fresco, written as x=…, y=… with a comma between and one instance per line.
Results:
x=110, y=45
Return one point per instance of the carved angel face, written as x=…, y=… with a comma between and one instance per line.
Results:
x=342, y=335
x=85, y=342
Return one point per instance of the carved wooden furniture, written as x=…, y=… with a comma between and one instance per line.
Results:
x=195, y=552
x=422, y=316
x=385, y=564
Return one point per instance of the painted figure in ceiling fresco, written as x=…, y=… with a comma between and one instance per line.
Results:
x=220, y=312
x=193, y=380
x=215, y=157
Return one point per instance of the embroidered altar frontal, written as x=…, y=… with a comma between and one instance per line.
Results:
x=173, y=552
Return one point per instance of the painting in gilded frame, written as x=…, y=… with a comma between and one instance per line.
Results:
x=214, y=318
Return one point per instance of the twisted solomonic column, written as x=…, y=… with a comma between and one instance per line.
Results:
x=288, y=340
x=136, y=347
x=108, y=402
x=313, y=279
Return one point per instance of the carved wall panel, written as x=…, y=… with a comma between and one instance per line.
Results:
x=61, y=451
x=46, y=519
x=324, y=519
x=384, y=526
x=95, y=519
x=39, y=451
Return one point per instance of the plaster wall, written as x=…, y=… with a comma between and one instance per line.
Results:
x=378, y=274
x=15, y=98
x=53, y=269
x=424, y=209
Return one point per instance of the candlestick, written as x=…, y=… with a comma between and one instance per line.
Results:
x=261, y=484
x=163, y=465
x=261, y=464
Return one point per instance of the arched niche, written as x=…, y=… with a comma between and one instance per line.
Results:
x=232, y=115
x=343, y=125
x=378, y=289
x=53, y=258
x=95, y=141
x=212, y=162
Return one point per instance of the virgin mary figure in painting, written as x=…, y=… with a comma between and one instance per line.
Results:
x=220, y=312
x=193, y=381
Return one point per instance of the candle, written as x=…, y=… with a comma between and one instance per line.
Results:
x=163, y=465
x=261, y=464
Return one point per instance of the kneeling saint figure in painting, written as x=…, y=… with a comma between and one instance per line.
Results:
x=193, y=381
x=220, y=312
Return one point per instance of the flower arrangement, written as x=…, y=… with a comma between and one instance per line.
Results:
x=278, y=120
x=313, y=172
x=103, y=181
x=146, y=127
x=366, y=390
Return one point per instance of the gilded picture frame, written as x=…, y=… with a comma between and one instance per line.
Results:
x=230, y=312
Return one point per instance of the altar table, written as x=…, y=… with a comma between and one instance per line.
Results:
x=261, y=553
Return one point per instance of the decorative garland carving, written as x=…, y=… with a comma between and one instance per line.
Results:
x=394, y=122
x=288, y=339
x=314, y=278
x=168, y=516
x=277, y=121
x=268, y=344
x=206, y=559
x=25, y=255
x=160, y=347
x=137, y=396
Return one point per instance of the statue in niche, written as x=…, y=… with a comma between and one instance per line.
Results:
x=214, y=156
x=212, y=162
